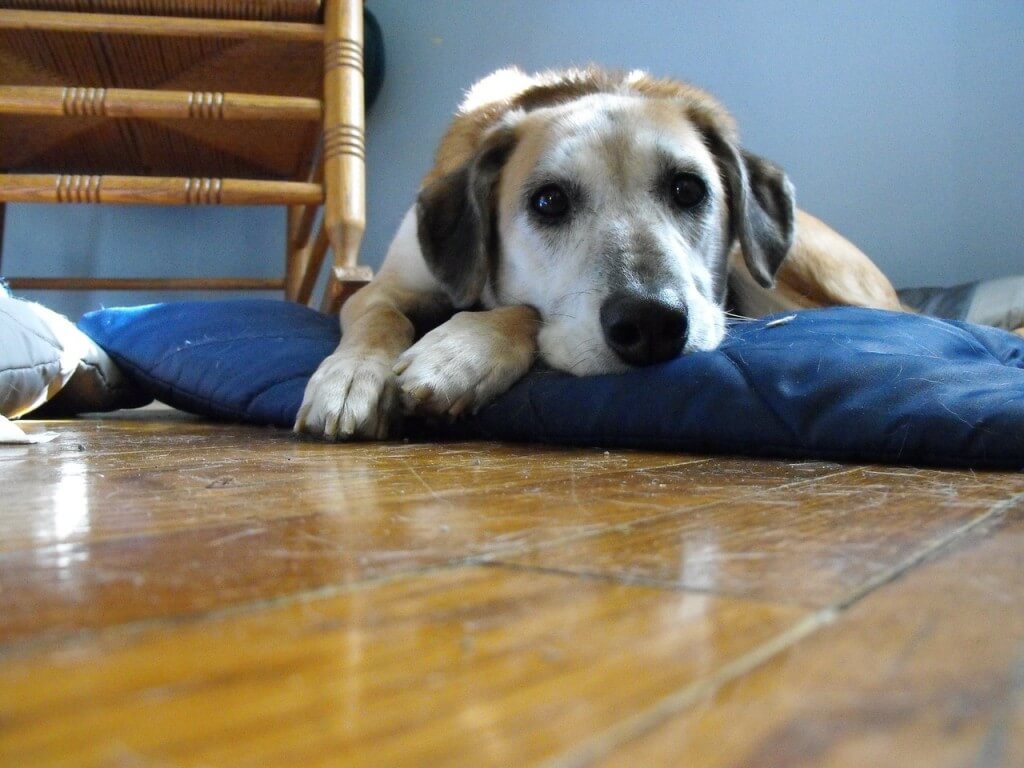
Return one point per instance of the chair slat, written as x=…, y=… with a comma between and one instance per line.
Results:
x=148, y=190
x=262, y=10
x=131, y=103
x=146, y=283
x=160, y=26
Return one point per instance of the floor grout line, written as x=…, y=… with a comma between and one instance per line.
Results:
x=934, y=547
x=128, y=629
x=636, y=725
x=643, y=722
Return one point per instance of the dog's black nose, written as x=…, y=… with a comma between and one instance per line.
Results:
x=642, y=330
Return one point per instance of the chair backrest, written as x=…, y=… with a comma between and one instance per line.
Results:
x=127, y=107
x=194, y=140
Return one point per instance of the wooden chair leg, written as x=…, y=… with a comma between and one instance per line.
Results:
x=331, y=302
x=343, y=147
x=294, y=262
x=299, y=234
x=313, y=258
x=339, y=291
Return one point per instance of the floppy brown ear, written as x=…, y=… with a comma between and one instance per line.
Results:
x=762, y=208
x=456, y=221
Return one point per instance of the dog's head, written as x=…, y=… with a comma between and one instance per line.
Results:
x=612, y=214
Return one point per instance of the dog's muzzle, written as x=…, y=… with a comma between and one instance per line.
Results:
x=642, y=330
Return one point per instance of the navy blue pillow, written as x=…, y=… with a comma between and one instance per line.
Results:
x=240, y=360
x=839, y=383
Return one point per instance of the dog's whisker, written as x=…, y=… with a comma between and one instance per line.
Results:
x=574, y=294
x=587, y=354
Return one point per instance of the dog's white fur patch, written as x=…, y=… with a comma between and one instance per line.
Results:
x=614, y=149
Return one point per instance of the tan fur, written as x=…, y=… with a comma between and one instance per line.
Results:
x=520, y=164
x=822, y=269
x=510, y=89
x=826, y=268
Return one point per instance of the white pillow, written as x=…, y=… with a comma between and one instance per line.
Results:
x=42, y=353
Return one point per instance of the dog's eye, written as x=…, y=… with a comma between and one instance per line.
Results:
x=688, y=190
x=550, y=202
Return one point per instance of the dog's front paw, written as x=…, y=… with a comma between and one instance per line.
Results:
x=350, y=396
x=462, y=365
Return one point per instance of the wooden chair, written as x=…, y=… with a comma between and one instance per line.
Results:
x=191, y=102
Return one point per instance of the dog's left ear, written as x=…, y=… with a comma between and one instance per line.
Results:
x=457, y=220
x=762, y=207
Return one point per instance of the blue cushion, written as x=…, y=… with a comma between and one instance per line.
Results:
x=240, y=360
x=839, y=383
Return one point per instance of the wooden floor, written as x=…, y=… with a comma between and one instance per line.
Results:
x=176, y=593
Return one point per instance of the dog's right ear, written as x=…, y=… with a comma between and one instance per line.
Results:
x=457, y=220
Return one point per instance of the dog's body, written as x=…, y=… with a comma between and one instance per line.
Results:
x=599, y=220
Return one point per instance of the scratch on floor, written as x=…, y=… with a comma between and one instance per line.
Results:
x=434, y=494
x=256, y=531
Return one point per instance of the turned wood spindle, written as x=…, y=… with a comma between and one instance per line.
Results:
x=129, y=103
x=343, y=147
x=154, y=190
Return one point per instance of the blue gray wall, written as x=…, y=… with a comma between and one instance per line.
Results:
x=899, y=123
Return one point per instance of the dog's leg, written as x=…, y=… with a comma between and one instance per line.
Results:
x=353, y=393
x=466, y=362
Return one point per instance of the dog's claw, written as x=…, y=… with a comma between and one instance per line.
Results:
x=331, y=427
x=461, y=405
x=420, y=393
x=347, y=425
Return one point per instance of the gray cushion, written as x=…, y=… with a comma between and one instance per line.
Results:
x=998, y=302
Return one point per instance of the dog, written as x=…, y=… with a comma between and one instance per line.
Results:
x=596, y=220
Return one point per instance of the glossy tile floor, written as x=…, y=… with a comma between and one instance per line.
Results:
x=177, y=593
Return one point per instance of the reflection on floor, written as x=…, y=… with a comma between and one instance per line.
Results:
x=179, y=593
